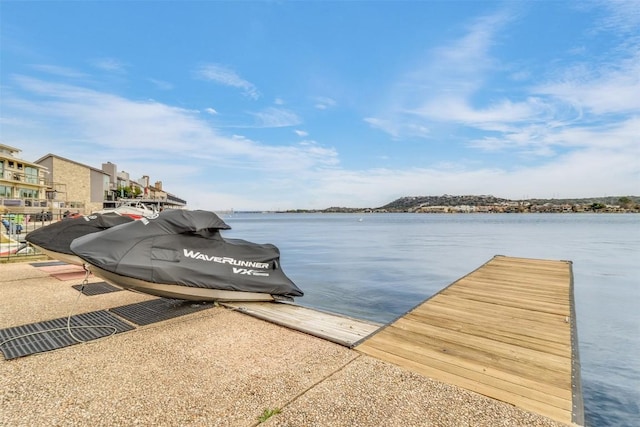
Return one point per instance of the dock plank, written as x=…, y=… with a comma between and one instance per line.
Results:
x=506, y=330
x=496, y=314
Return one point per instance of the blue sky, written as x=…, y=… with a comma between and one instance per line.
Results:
x=311, y=104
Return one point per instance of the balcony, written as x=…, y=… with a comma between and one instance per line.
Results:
x=23, y=203
x=17, y=176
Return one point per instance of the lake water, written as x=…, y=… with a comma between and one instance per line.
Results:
x=378, y=266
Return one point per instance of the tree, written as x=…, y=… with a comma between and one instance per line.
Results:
x=125, y=192
x=625, y=202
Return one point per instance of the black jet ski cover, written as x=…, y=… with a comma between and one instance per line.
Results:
x=183, y=247
x=57, y=237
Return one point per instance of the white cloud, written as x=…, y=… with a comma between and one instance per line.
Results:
x=144, y=130
x=273, y=117
x=211, y=111
x=457, y=110
x=301, y=133
x=621, y=16
x=440, y=87
x=227, y=77
x=398, y=129
x=60, y=71
x=582, y=174
x=576, y=107
x=324, y=103
x=610, y=88
x=109, y=64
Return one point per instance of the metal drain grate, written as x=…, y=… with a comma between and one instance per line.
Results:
x=47, y=263
x=97, y=288
x=53, y=334
x=157, y=310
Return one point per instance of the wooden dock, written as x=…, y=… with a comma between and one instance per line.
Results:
x=332, y=327
x=507, y=330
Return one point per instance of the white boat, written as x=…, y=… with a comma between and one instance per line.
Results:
x=8, y=246
x=135, y=210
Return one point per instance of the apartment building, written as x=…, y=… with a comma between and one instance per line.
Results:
x=74, y=186
x=84, y=189
x=56, y=184
x=23, y=184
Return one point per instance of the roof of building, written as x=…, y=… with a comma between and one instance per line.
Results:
x=70, y=161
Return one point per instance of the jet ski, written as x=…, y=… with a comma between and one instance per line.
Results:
x=181, y=254
x=54, y=240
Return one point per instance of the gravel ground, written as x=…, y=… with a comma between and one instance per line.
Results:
x=368, y=392
x=216, y=367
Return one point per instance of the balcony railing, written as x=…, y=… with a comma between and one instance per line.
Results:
x=23, y=203
x=13, y=204
x=16, y=176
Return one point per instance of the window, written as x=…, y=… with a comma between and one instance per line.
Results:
x=5, y=191
x=11, y=164
x=31, y=175
x=27, y=193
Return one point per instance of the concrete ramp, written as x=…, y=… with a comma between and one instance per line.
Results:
x=333, y=327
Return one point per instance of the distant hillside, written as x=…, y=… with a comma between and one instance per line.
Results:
x=411, y=202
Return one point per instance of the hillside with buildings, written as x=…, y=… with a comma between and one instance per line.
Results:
x=483, y=203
